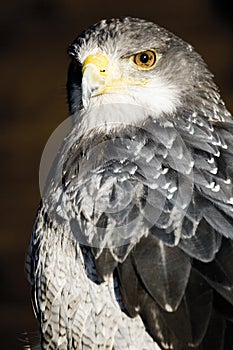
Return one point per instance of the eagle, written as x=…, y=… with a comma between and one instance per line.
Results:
x=132, y=247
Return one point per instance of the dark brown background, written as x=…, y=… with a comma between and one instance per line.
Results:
x=34, y=36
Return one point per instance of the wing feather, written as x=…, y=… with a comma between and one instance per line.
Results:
x=163, y=270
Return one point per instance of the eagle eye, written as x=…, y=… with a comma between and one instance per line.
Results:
x=145, y=59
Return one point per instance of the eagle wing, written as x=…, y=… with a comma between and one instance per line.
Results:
x=154, y=204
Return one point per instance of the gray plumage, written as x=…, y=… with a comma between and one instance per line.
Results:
x=133, y=242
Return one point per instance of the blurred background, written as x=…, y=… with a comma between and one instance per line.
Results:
x=35, y=35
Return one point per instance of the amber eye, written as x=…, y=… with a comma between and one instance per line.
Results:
x=145, y=59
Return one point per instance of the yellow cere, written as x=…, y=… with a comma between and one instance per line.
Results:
x=100, y=61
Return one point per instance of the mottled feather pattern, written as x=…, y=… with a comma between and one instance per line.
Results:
x=69, y=297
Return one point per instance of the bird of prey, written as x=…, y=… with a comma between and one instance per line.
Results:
x=132, y=246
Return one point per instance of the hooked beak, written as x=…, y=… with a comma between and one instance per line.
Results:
x=100, y=77
x=95, y=72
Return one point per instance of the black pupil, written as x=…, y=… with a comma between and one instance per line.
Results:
x=144, y=58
